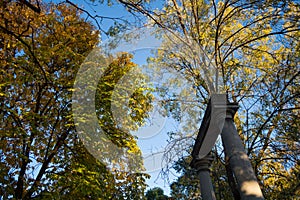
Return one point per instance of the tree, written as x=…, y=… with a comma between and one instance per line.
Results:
x=156, y=194
x=187, y=184
x=250, y=50
x=41, y=154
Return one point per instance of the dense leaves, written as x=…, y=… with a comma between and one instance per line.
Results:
x=156, y=194
x=249, y=49
x=41, y=154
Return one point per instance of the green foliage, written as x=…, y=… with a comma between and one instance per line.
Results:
x=112, y=93
x=156, y=194
x=187, y=185
x=41, y=154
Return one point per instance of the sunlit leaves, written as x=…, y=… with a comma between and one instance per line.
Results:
x=41, y=155
x=250, y=50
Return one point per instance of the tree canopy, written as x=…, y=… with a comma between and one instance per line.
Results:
x=156, y=194
x=250, y=50
x=42, y=156
x=247, y=49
